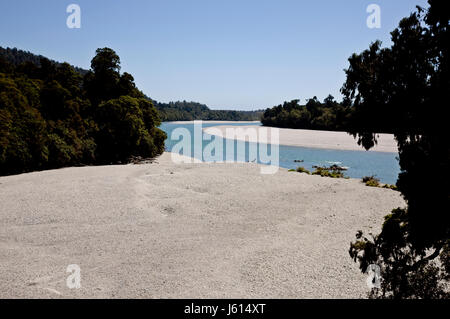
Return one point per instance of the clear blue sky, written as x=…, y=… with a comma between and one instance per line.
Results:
x=228, y=54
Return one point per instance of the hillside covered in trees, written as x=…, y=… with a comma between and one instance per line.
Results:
x=172, y=111
x=188, y=111
x=21, y=58
x=51, y=116
x=329, y=115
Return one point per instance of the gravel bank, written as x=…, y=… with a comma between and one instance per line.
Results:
x=163, y=230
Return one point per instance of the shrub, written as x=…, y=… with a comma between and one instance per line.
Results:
x=393, y=187
x=301, y=169
x=327, y=172
x=371, y=181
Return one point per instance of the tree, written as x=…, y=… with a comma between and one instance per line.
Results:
x=127, y=127
x=102, y=83
x=22, y=131
x=403, y=90
x=329, y=115
x=127, y=121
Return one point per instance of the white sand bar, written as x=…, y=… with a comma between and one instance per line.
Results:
x=163, y=230
x=316, y=139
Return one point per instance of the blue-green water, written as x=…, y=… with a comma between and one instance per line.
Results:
x=360, y=163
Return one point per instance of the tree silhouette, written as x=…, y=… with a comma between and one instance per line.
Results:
x=329, y=115
x=403, y=90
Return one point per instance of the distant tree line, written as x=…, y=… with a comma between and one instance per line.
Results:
x=172, y=111
x=188, y=111
x=53, y=116
x=315, y=115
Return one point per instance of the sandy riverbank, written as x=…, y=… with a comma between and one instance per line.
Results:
x=318, y=139
x=187, y=231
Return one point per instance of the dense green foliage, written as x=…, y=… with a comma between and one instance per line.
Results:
x=404, y=89
x=18, y=57
x=301, y=169
x=328, y=172
x=172, y=111
x=51, y=116
x=329, y=115
x=371, y=181
x=188, y=111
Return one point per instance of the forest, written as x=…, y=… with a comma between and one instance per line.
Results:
x=52, y=115
x=188, y=111
x=19, y=57
x=314, y=115
x=172, y=111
